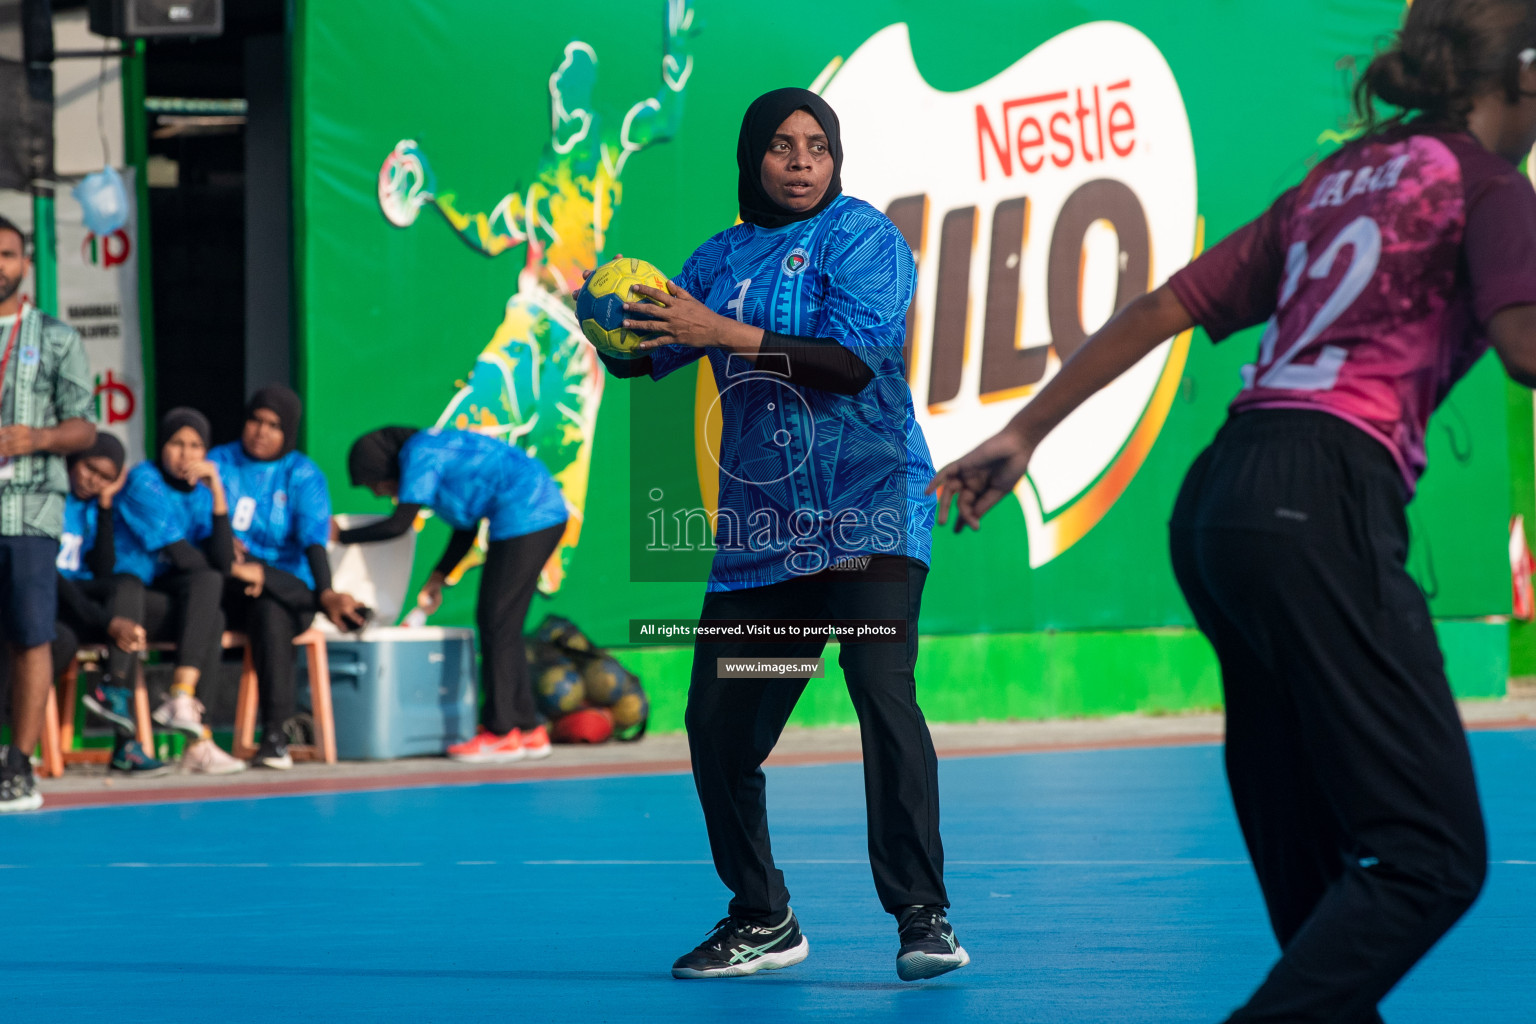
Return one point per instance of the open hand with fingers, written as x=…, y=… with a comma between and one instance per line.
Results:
x=979, y=480
x=674, y=317
x=127, y=634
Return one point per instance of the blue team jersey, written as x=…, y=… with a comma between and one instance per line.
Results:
x=465, y=477
x=149, y=514
x=277, y=509
x=79, y=536
x=809, y=478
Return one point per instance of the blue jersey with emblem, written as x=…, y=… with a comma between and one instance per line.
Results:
x=149, y=514
x=278, y=508
x=810, y=479
x=79, y=536
x=465, y=477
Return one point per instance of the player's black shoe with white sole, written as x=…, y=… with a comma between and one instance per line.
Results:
x=737, y=947
x=928, y=944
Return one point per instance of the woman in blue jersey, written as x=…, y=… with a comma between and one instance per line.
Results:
x=171, y=528
x=801, y=312
x=280, y=513
x=465, y=479
x=97, y=604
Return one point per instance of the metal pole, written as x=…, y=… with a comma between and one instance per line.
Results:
x=136, y=155
x=45, y=254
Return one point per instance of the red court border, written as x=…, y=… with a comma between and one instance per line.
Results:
x=554, y=772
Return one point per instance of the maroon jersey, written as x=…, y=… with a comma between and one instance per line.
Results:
x=1377, y=276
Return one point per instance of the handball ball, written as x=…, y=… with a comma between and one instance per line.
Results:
x=558, y=690
x=562, y=633
x=600, y=305
x=604, y=679
x=631, y=708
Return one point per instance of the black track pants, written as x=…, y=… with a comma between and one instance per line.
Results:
x=1348, y=766
x=507, y=585
x=285, y=608
x=183, y=608
x=121, y=595
x=733, y=725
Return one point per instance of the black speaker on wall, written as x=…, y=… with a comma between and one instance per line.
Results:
x=157, y=19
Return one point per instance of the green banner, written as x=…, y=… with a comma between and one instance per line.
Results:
x=460, y=162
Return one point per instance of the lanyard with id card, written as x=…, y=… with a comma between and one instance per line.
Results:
x=8, y=464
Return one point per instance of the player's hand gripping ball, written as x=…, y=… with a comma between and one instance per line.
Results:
x=600, y=305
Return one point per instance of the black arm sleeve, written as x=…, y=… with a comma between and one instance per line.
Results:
x=319, y=567
x=385, y=529
x=458, y=546
x=184, y=556
x=83, y=608
x=820, y=363
x=624, y=368
x=102, y=558
x=220, y=545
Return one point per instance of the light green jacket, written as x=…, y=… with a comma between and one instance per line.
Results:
x=51, y=380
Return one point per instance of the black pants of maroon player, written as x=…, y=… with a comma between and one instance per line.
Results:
x=508, y=582
x=733, y=724
x=1349, y=769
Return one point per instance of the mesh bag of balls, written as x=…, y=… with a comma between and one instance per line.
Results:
x=585, y=693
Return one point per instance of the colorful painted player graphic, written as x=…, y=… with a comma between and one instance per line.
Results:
x=537, y=384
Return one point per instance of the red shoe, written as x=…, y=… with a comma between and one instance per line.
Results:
x=488, y=748
x=536, y=743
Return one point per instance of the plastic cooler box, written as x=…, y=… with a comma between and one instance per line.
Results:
x=395, y=691
x=399, y=692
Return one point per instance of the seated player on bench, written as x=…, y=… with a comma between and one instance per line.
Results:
x=281, y=518
x=98, y=605
x=171, y=526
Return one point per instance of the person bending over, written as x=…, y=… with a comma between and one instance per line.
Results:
x=99, y=605
x=171, y=523
x=467, y=479
x=280, y=512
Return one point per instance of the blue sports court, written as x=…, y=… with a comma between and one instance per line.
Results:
x=1106, y=885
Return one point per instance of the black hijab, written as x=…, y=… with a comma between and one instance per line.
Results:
x=181, y=416
x=282, y=400
x=375, y=457
x=758, y=125
x=105, y=447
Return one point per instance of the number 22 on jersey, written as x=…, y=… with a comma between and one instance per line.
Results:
x=1281, y=372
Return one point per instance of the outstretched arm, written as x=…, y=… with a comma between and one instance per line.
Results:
x=406, y=184
x=655, y=119
x=980, y=479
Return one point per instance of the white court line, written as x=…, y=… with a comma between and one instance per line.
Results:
x=853, y=862
x=864, y=861
x=141, y=864
x=618, y=863
x=343, y=864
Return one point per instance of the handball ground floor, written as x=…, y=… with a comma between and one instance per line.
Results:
x=1095, y=869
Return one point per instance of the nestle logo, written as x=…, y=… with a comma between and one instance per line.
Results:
x=1059, y=127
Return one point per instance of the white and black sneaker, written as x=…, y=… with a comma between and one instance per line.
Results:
x=737, y=947
x=18, y=789
x=273, y=752
x=928, y=944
